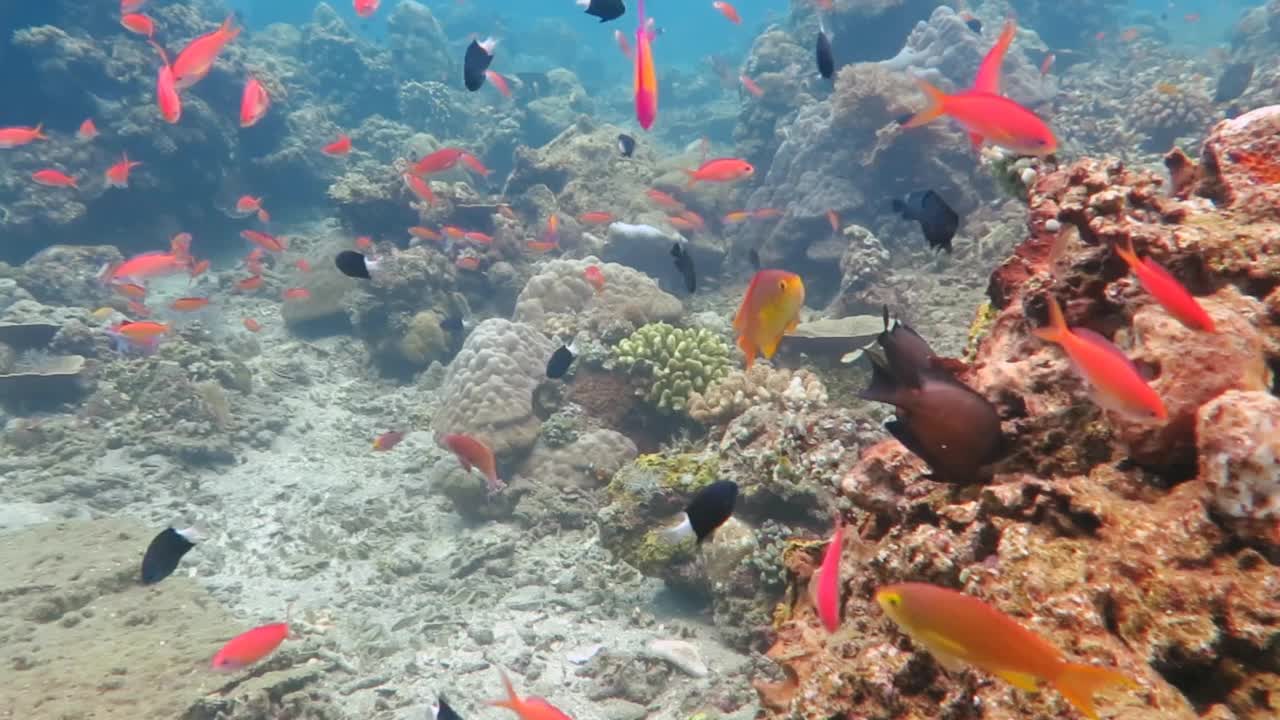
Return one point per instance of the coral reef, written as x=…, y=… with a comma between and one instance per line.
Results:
x=1166, y=112
x=730, y=396
x=863, y=262
x=560, y=302
x=674, y=362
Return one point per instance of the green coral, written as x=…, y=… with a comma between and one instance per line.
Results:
x=559, y=430
x=679, y=361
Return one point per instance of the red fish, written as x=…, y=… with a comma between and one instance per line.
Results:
x=248, y=205
x=770, y=309
x=540, y=246
x=438, y=161
x=425, y=233
x=264, y=241
x=419, y=187
x=366, y=8
x=735, y=217
x=1166, y=289
x=828, y=590
x=338, y=147
x=130, y=290
x=364, y=242
x=997, y=119
x=478, y=237
x=138, y=23
x=167, y=98
x=694, y=219
x=833, y=219
x=12, y=137
x=729, y=11
x=249, y=647
x=252, y=325
x=475, y=454
x=1115, y=382
x=470, y=263
x=680, y=223
x=595, y=277
x=664, y=200
x=54, y=178
x=596, y=218
x=765, y=213
x=250, y=283
x=303, y=265
x=88, y=130
x=751, y=86
x=197, y=58
x=474, y=165
x=253, y=103
x=988, y=78
x=387, y=440
x=552, y=233
x=139, y=309
x=1129, y=35
x=499, y=82
x=189, y=304
x=296, y=293
x=141, y=331
x=147, y=265
x=645, y=86
x=721, y=170
x=117, y=175
x=528, y=708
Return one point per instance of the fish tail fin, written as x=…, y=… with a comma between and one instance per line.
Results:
x=936, y=108
x=1078, y=683
x=1127, y=253
x=512, y=701
x=1056, y=330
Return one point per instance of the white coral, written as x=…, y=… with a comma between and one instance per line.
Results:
x=1238, y=434
x=791, y=390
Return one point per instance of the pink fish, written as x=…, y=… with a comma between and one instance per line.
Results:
x=197, y=58
x=828, y=591
x=253, y=103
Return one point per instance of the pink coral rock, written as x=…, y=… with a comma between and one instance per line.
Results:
x=1238, y=439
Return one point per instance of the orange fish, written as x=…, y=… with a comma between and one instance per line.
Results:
x=721, y=170
x=117, y=175
x=1046, y=64
x=735, y=217
x=303, y=265
x=248, y=205
x=470, y=263
x=338, y=147
x=694, y=219
x=197, y=58
x=1129, y=35
x=167, y=98
x=250, y=647
x=680, y=223
x=54, y=178
x=438, y=161
x=478, y=237
x=252, y=325
x=387, y=440
x=141, y=331
x=997, y=119
x=621, y=38
x=366, y=8
x=189, y=304
x=199, y=269
x=263, y=215
x=499, y=82
x=828, y=581
x=1166, y=289
x=1115, y=382
x=296, y=293
x=595, y=277
x=12, y=137
x=528, y=708
x=727, y=10
x=139, y=309
x=425, y=233
x=454, y=232
x=473, y=163
x=419, y=187
x=264, y=241
x=664, y=199
x=146, y=265
x=253, y=103
x=765, y=213
x=751, y=86
x=138, y=23
x=959, y=629
x=645, y=85
x=596, y=218
x=539, y=246
x=131, y=290
x=88, y=130
x=770, y=309
x=364, y=242
x=833, y=219
x=252, y=282
x=552, y=233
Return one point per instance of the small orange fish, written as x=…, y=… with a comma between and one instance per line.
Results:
x=729, y=11
x=751, y=86
x=131, y=290
x=528, y=708
x=139, y=24
x=1166, y=289
x=596, y=218
x=197, y=58
x=539, y=246
x=252, y=325
x=694, y=219
x=499, y=82
x=12, y=137
x=680, y=223
x=264, y=241
x=735, y=217
x=167, y=98
x=139, y=309
x=88, y=130
x=387, y=440
x=250, y=647
x=472, y=453
x=263, y=215
x=721, y=170
x=453, y=231
x=664, y=200
x=419, y=187
x=303, y=265
x=552, y=233
x=117, y=176
x=478, y=237
x=142, y=330
x=252, y=282
x=189, y=304
x=621, y=38
x=1046, y=64
x=146, y=265
x=770, y=309
x=765, y=213
x=833, y=219
x=54, y=178
x=364, y=242
x=366, y=8
x=253, y=103
x=248, y=205
x=425, y=233
x=473, y=164
x=296, y=293
x=438, y=161
x=1129, y=35
x=338, y=147
x=470, y=263
x=595, y=277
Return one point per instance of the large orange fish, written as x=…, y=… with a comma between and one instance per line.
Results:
x=996, y=119
x=250, y=647
x=730, y=12
x=770, y=309
x=646, y=77
x=12, y=137
x=988, y=78
x=958, y=629
x=253, y=103
x=474, y=454
x=438, y=161
x=721, y=170
x=1115, y=382
x=117, y=176
x=366, y=8
x=264, y=241
x=1166, y=289
x=146, y=265
x=498, y=82
x=197, y=58
x=88, y=130
x=527, y=708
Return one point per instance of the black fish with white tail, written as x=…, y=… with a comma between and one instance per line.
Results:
x=561, y=360
x=606, y=10
x=164, y=553
x=709, y=509
x=684, y=263
x=938, y=221
x=626, y=145
x=442, y=710
x=355, y=265
x=479, y=56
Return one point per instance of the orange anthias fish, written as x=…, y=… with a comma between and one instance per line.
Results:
x=197, y=58
x=248, y=205
x=54, y=178
x=474, y=165
x=623, y=45
x=387, y=440
x=765, y=213
x=423, y=233
x=833, y=219
x=117, y=175
x=1115, y=382
x=189, y=304
x=596, y=218
x=1166, y=289
x=141, y=331
x=366, y=8
x=252, y=325
x=253, y=282
x=827, y=595
x=735, y=217
x=12, y=137
x=959, y=629
x=988, y=78
x=474, y=454
x=264, y=241
x=364, y=242
x=438, y=161
x=253, y=103
x=453, y=231
x=139, y=24
x=528, y=708
x=419, y=187
x=478, y=237
x=147, y=265
x=541, y=246
x=729, y=11
x=751, y=86
x=88, y=130
x=595, y=277
x=167, y=98
x=551, y=234
x=250, y=647
x=721, y=170
x=302, y=265
x=130, y=290
x=997, y=119
x=296, y=293
x=470, y=263
x=770, y=309
x=338, y=147
x=664, y=200
x=646, y=77
x=498, y=82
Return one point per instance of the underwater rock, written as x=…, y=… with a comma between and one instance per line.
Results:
x=1238, y=443
x=325, y=310
x=1239, y=164
x=1166, y=112
x=648, y=249
x=419, y=47
x=863, y=262
x=560, y=302
x=46, y=382
x=679, y=654
x=561, y=480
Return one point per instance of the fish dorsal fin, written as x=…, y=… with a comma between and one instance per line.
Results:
x=1019, y=680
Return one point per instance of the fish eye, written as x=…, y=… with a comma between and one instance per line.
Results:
x=893, y=600
x=782, y=285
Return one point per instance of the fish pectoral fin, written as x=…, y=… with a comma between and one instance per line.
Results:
x=1019, y=680
x=948, y=653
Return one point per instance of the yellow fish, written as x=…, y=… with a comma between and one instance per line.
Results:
x=102, y=313
x=769, y=310
x=958, y=629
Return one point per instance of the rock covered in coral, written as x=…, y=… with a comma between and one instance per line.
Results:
x=1167, y=112
x=863, y=262
x=1238, y=442
x=560, y=302
x=730, y=396
x=1239, y=165
x=488, y=391
x=674, y=362
x=648, y=249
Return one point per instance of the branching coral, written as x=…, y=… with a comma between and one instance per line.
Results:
x=680, y=361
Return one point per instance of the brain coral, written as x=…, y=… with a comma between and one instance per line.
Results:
x=559, y=300
x=488, y=391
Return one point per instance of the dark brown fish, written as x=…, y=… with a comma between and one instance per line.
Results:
x=904, y=349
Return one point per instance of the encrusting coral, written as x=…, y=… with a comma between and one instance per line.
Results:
x=675, y=361
x=733, y=394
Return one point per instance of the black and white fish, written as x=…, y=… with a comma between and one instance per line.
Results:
x=442, y=711
x=606, y=10
x=479, y=56
x=354, y=264
x=938, y=221
x=826, y=62
x=560, y=361
x=164, y=552
x=708, y=510
x=684, y=263
x=626, y=145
